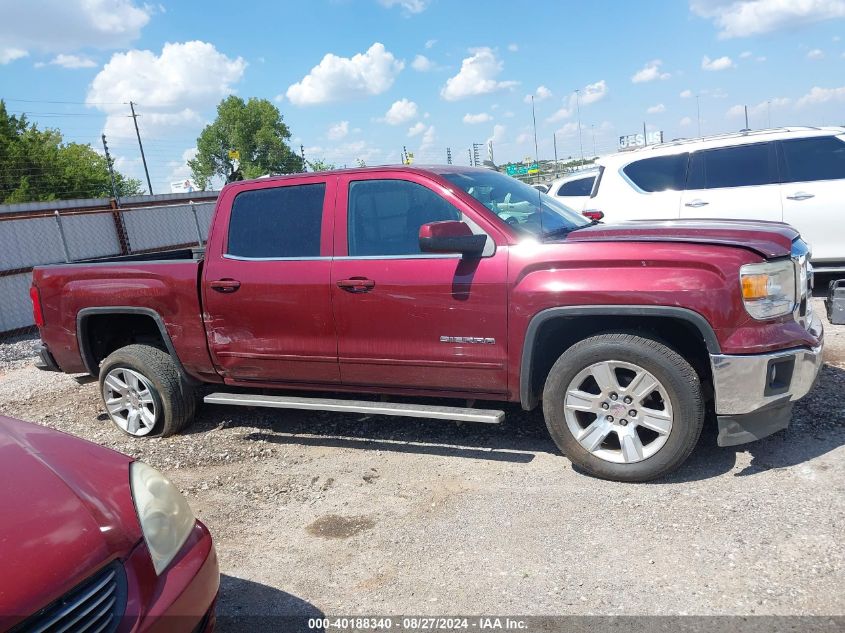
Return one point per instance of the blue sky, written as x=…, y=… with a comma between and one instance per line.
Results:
x=363, y=78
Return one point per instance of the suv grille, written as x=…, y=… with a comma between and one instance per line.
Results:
x=95, y=606
x=804, y=279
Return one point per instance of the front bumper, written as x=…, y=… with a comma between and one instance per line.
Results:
x=754, y=393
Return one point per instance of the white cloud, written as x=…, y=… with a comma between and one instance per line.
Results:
x=743, y=18
x=513, y=47
x=819, y=95
x=650, y=72
x=336, y=78
x=591, y=93
x=67, y=25
x=656, y=109
x=816, y=53
x=173, y=86
x=594, y=92
x=477, y=76
x=541, y=94
x=498, y=135
x=720, y=63
x=410, y=6
x=761, y=109
x=761, y=58
x=481, y=117
x=686, y=94
x=400, y=112
x=508, y=115
x=569, y=129
x=685, y=121
x=422, y=64
x=416, y=129
x=523, y=138
x=745, y=54
x=338, y=131
x=8, y=55
x=179, y=169
x=73, y=61
x=430, y=43
x=428, y=139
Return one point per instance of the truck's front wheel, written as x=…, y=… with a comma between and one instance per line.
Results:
x=144, y=392
x=624, y=407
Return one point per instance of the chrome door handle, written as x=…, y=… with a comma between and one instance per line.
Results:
x=801, y=195
x=696, y=203
x=226, y=286
x=356, y=284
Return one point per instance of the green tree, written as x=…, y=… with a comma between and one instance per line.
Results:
x=320, y=165
x=255, y=130
x=38, y=165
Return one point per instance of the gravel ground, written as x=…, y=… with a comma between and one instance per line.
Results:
x=343, y=514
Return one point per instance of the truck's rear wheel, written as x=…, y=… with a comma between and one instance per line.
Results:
x=624, y=407
x=144, y=392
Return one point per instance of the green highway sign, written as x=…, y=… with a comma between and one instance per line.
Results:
x=521, y=170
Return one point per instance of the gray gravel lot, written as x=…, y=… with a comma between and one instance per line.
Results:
x=319, y=512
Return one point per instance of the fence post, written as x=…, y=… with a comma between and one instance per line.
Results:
x=196, y=223
x=62, y=234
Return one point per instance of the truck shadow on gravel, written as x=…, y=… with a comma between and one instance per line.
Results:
x=817, y=427
x=245, y=605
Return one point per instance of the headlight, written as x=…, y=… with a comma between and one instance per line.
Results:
x=768, y=289
x=165, y=517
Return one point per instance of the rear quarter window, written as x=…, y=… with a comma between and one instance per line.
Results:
x=278, y=222
x=809, y=159
x=579, y=187
x=660, y=173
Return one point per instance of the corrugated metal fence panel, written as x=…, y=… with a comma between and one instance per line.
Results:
x=29, y=242
x=91, y=235
x=16, y=307
x=205, y=212
x=159, y=227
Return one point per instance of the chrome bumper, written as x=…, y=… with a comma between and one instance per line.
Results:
x=746, y=384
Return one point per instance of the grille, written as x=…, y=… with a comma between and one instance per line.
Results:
x=95, y=606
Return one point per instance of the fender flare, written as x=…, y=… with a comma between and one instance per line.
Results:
x=529, y=400
x=85, y=349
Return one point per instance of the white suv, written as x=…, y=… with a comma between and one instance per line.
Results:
x=793, y=175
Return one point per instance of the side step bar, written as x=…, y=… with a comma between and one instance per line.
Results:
x=459, y=414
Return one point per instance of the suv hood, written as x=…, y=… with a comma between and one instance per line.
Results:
x=64, y=515
x=769, y=239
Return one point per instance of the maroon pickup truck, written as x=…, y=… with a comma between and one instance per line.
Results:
x=450, y=282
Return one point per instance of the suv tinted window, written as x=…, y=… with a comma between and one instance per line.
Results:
x=277, y=222
x=739, y=166
x=810, y=159
x=385, y=216
x=580, y=187
x=660, y=173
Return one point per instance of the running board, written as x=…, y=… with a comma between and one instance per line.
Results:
x=458, y=414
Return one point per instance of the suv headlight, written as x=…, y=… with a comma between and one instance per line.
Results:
x=768, y=289
x=164, y=514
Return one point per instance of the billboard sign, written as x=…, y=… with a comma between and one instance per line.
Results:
x=630, y=141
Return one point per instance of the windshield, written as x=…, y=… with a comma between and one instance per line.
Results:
x=526, y=209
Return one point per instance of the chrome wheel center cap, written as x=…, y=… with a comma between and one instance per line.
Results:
x=618, y=410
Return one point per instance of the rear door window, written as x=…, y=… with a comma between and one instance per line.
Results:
x=579, y=187
x=809, y=159
x=660, y=173
x=728, y=167
x=279, y=222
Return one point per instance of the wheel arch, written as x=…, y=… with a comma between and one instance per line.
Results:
x=86, y=342
x=552, y=331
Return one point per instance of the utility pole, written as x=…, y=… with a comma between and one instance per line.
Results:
x=593, y=130
x=448, y=155
x=698, y=113
x=578, y=108
x=140, y=146
x=536, y=151
x=469, y=153
x=554, y=140
x=302, y=156
x=111, y=172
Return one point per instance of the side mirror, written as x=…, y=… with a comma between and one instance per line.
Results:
x=451, y=237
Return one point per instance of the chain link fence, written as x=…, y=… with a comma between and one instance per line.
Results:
x=34, y=238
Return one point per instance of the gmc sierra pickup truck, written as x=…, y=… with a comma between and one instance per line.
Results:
x=408, y=286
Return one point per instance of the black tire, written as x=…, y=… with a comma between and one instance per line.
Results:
x=679, y=380
x=175, y=400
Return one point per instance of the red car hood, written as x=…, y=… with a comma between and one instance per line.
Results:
x=769, y=239
x=67, y=510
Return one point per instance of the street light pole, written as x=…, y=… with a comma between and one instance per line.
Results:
x=536, y=151
x=578, y=108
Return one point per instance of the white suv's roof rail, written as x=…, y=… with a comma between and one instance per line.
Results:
x=730, y=135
